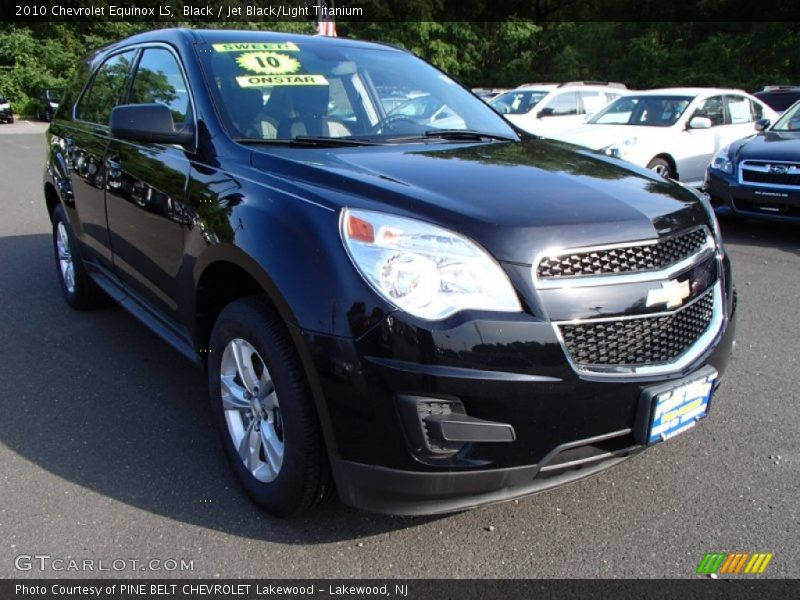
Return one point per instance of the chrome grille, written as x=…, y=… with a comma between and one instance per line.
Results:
x=639, y=341
x=769, y=174
x=625, y=259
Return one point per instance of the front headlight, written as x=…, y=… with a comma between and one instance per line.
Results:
x=722, y=161
x=425, y=270
x=621, y=149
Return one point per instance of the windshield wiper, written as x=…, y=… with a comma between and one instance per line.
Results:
x=308, y=140
x=466, y=134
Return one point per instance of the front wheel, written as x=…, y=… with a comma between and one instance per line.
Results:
x=265, y=411
x=661, y=167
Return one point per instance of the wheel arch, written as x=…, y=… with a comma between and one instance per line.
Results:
x=670, y=160
x=227, y=274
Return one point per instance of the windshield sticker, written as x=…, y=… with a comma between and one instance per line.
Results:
x=268, y=63
x=249, y=81
x=257, y=47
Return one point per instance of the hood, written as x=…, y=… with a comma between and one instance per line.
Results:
x=768, y=145
x=597, y=137
x=515, y=199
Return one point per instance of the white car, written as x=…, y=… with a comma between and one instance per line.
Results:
x=547, y=109
x=673, y=131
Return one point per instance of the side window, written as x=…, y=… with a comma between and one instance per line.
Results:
x=739, y=110
x=592, y=102
x=711, y=108
x=756, y=110
x=564, y=104
x=159, y=80
x=106, y=90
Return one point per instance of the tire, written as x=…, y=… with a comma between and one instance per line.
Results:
x=80, y=292
x=661, y=167
x=268, y=403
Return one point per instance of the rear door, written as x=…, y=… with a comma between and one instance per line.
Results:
x=86, y=142
x=741, y=119
x=147, y=188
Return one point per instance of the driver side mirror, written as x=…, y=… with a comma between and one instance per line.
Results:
x=545, y=112
x=762, y=124
x=699, y=123
x=149, y=123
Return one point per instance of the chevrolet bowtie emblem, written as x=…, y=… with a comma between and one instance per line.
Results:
x=671, y=293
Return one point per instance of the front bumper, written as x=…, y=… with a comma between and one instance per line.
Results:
x=502, y=369
x=6, y=114
x=728, y=196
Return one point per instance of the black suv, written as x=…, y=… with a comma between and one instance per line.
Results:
x=429, y=318
x=47, y=103
x=6, y=113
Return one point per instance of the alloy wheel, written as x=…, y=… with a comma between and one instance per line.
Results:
x=251, y=410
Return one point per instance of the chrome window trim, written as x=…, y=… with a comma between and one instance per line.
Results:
x=748, y=164
x=679, y=364
x=578, y=281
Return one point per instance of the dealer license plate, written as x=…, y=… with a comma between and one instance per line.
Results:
x=680, y=408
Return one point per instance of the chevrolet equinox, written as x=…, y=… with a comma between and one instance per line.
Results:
x=424, y=318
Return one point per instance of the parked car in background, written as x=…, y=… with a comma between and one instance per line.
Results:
x=673, y=131
x=428, y=110
x=779, y=97
x=6, y=113
x=47, y=103
x=487, y=94
x=431, y=318
x=547, y=109
x=759, y=176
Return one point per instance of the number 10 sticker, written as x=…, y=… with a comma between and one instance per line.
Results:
x=268, y=63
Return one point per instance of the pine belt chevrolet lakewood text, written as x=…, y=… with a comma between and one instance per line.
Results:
x=426, y=318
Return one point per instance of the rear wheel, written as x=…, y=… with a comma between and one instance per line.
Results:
x=264, y=409
x=79, y=290
x=662, y=167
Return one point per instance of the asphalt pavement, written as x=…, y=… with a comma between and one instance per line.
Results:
x=108, y=451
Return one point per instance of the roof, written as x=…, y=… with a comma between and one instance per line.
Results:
x=688, y=91
x=179, y=36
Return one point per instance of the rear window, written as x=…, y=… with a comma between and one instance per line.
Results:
x=106, y=90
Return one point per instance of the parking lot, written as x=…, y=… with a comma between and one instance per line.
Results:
x=109, y=451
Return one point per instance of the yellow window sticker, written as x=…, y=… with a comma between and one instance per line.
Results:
x=268, y=63
x=249, y=81
x=257, y=47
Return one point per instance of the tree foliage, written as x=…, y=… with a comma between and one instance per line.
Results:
x=501, y=53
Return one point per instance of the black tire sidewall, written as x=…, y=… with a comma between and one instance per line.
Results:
x=661, y=161
x=285, y=495
x=73, y=297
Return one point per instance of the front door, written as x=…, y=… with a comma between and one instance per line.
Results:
x=147, y=189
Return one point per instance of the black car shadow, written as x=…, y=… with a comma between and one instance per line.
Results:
x=96, y=399
x=757, y=233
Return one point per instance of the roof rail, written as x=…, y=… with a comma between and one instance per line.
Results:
x=778, y=88
x=614, y=84
x=538, y=83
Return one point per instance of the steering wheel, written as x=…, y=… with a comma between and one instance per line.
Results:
x=388, y=123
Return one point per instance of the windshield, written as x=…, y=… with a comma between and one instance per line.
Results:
x=290, y=90
x=517, y=102
x=790, y=120
x=650, y=111
x=54, y=94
